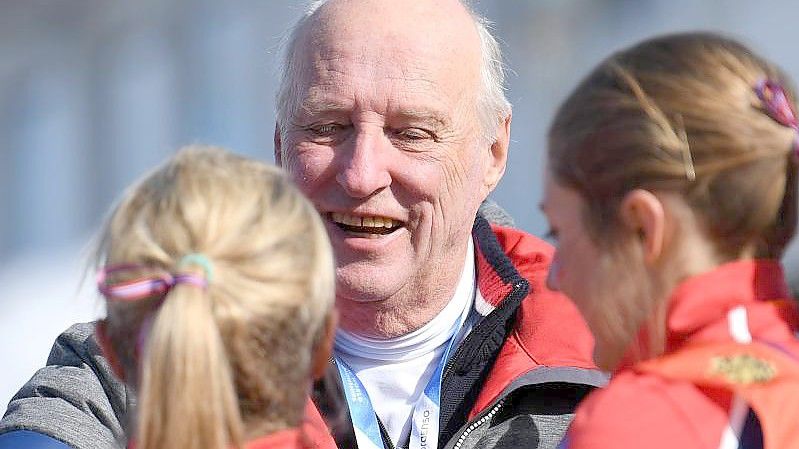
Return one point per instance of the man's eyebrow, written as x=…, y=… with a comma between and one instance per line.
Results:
x=322, y=107
x=424, y=115
x=313, y=107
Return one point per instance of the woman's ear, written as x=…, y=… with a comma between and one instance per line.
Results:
x=101, y=334
x=642, y=212
x=324, y=349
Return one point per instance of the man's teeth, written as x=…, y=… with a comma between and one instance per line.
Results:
x=364, y=222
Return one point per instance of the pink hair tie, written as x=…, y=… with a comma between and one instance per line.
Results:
x=144, y=286
x=779, y=107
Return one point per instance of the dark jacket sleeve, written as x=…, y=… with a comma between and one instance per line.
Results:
x=75, y=398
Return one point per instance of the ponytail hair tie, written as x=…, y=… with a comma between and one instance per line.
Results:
x=142, y=287
x=200, y=260
x=779, y=108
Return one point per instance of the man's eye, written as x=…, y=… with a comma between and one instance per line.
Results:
x=414, y=134
x=325, y=129
x=551, y=236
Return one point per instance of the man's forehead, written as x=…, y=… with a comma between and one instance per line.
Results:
x=332, y=100
x=426, y=29
x=389, y=58
x=335, y=79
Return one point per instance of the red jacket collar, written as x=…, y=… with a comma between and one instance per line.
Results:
x=548, y=327
x=702, y=300
x=548, y=330
x=698, y=307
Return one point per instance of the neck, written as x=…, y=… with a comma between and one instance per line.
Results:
x=408, y=310
x=376, y=320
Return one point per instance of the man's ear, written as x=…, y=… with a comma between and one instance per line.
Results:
x=642, y=212
x=498, y=157
x=101, y=334
x=278, y=143
x=324, y=349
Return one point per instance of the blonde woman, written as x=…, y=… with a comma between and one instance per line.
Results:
x=218, y=279
x=671, y=191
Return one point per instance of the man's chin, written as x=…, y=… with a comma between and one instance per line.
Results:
x=375, y=285
x=360, y=293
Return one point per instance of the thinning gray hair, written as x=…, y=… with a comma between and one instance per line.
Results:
x=492, y=104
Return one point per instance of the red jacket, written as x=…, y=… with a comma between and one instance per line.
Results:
x=546, y=341
x=286, y=439
x=698, y=394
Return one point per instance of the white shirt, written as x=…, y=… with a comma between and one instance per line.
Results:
x=395, y=371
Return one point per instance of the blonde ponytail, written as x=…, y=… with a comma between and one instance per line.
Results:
x=188, y=399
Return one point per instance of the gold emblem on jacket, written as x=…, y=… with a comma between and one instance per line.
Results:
x=742, y=369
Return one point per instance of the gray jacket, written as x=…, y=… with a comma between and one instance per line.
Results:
x=75, y=398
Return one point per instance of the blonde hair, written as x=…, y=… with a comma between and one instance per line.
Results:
x=678, y=114
x=233, y=360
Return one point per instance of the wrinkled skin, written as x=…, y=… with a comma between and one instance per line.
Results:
x=386, y=125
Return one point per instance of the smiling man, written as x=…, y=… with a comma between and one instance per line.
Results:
x=382, y=132
x=392, y=119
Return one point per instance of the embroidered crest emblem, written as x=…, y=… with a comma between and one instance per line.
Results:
x=742, y=369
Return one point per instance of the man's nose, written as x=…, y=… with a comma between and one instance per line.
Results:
x=364, y=166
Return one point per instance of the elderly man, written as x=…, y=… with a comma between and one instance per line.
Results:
x=393, y=121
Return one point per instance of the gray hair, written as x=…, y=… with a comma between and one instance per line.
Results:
x=492, y=105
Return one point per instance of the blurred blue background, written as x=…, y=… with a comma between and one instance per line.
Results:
x=95, y=92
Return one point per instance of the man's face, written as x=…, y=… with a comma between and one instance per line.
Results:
x=386, y=143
